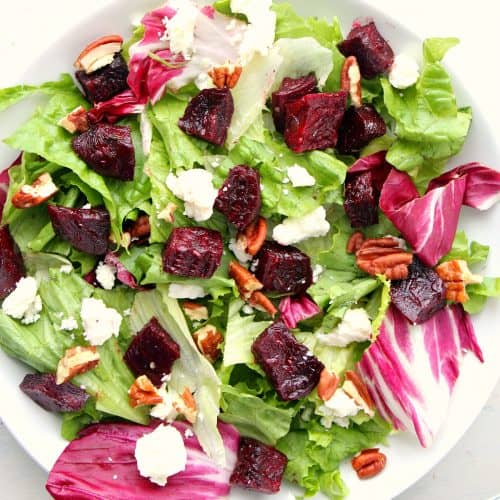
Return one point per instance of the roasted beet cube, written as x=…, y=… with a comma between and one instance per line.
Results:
x=194, y=252
x=370, y=48
x=283, y=269
x=259, y=467
x=152, y=352
x=239, y=197
x=361, y=199
x=106, y=82
x=11, y=263
x=421, y=294
x=293, y=371
x=43, y=390
x=208, y=115
x=290, y=90
x=86, y=229
x=107, y=149
x=312, y=121
x=359, y=126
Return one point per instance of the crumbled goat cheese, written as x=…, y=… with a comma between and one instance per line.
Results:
x=69, y=324
x=99, y=322
x=165, y=410
x=179, y=30
x=338, y=409
x=181, y=291
x=195, y=188
x=295, y=229
x=238, y=247
x=300, y=177
x=24, y=303
x=66, y=269
x=105, y=275
x=404, y=72
x=354, y=327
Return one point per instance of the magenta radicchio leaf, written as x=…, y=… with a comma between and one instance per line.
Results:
x=4, y=183
x=115, y=108
x=122, y=273
x=374, y=163
x=483, y=184
x=296, y=309
x=428, y=223
x=101, y=464
x=411, y=370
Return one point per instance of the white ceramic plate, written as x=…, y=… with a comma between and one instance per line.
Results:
x=38, y=431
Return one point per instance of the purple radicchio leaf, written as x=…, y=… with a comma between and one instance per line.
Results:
x=122, y=273
x=117, y=107
x=296, y=309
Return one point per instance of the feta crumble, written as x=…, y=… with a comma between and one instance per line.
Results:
x=24, y=303
x=300, y=177
x=338, y=409
x=164, y=410
x=179, y=30
x=354, y=327
x=100, y=323
x=404, y=72
x=295, y=229
x=238, y=247
x=105, y=275
x=69, y=324
x=181, y=291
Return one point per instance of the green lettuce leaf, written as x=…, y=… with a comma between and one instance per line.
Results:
x=473, y=253
x=378, y=304
x=479, y=293
x=74, y=422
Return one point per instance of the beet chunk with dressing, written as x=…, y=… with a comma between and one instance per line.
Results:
x=86, y=230
x=359, y=126
x=239, y=197
x=107, y=149
x=11, y=263
x=421, y=294
x=293, y=371
x=312, y=122
x=106, y=82
x=283, y=269
x=259, y=467
x=208, y=115
x=43, y=390
x=152, y=352
x=373, y=53
x=290, y=90
x=361, y=199
x=194, y=252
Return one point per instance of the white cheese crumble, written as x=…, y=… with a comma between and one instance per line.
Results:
x=338, y=409
x=181, y=291
x=295, y=229
x=238, y=247
x=195, y=188
x=100, y=323
x=300, y=177
x=165, y=410
x=404, y=72
x=354, y=327
x=66, y=269
x=105, y=275
x=161, y=454
x=179, y=30
x=24, y=303
x=69, y=324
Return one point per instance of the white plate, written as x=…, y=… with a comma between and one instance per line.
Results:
x=38, y=431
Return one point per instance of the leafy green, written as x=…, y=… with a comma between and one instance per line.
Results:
x=378, y=304
x=74, y=422
x=479, y=293
x=473, y=253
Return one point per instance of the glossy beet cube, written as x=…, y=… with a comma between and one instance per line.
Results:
x=106, y=82
x=11, y=263
x=420, y=295
x=43, y=390
x=361, y=199
x=293, y=371
x=259, y=467
x=239, y=197
x=290, y=90
x=107, y=149
x=312, y=122
x=283, y=269
x=193, y=252
x=370, y=48
x=152, y=352
x=86, y=229
x=208, y=115
x=359, y=126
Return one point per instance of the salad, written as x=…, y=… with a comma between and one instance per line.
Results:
x=227, y=243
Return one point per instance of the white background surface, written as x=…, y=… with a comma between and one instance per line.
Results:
x=471, y=470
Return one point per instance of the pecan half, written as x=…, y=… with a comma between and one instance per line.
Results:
x=350, y=80
x=384, y=256
x=185, y=404
x=76, y=121
x=456, y=275
x=355, y=241
x=143, y=393
x=262, y=303
x=368, y=463
x=208, y=339
x=225, y=76
x=167, y=214
x=355, y=388
x=194, y=311
x=99, y=53
x=33, y=195
x=246, y=282
x=75, y=361
x=141, y=228
x=328, y=384
x=254, y=236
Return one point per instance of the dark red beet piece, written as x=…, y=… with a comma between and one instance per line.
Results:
x=107, y=149
x=194, y=252
x=312, y=121
x=259, y=467
x=86, y=229
x=106, y=82
x=283, y=269
x=359, y=126
x=43, y=390
x=370, y=48
x=420, y=295
x=293, y=371
x=290, y=90
x=152, y=352
x=361, y=199
x=208, y=115
x=11, y=263
x=239, y=197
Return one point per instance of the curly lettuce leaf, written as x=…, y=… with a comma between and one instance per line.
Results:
x=472, y=253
